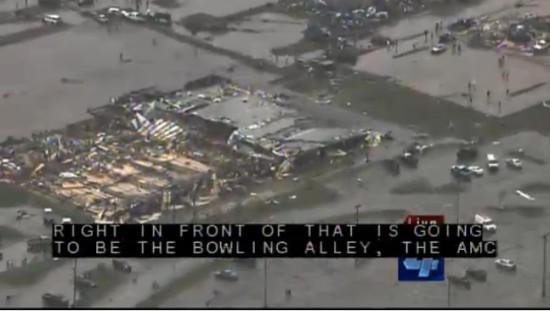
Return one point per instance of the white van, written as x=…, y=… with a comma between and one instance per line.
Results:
x=492, y=162
x=52, y=19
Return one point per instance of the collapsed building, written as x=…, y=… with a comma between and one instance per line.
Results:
x=148, y=151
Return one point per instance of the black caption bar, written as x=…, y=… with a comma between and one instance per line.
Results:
x=270, y=240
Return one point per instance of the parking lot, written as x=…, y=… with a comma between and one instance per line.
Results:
x=337, y=283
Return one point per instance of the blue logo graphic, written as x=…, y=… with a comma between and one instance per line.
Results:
x=425, y=269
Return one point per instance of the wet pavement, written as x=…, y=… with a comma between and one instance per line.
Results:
x=448, y=75
x=37, y=99
x=337, y=283
x=259, y=34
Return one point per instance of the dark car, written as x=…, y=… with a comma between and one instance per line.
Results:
x=467, y=153
x=479, y=275
x=461, y=172
x=460, y=281
x=54, y=301
x=83, y=281
x=121, y=266
x=447, y=38
x=85, y=2
x=409, y=159
x=159, y=18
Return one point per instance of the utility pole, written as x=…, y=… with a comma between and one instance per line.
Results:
x=265, y=283
x=74, y=282
x=544, y=238
x=457, y=215
x=357, y=207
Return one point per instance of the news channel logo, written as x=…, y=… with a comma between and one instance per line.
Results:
x=421, y=269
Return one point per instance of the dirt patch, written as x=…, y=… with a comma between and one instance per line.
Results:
x=536, y=187
x=528, y=211
x=167, y=4
x=415, y=186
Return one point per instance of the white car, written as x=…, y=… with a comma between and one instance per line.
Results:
x=226, y=274
x=135, y=16
x=113, y=10
x=505, y=264
x=476, y=170
x=102, y=18
x=514, y=163
x=482, y=219
x=52, y=19
x=492, y=162
x=439, y=48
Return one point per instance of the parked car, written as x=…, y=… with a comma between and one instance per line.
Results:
x=409, y=159
x=479, y=275
x=54, y=301
x=460, y=281
x=461, y=172
x=439, y=48
x=514, y=163
x=52, y=19
x=120, y=265
x=102, y=18
x=476, y=170
x=227, y=275
x=505, y=264
x=114, y=11
x=482, y=219
x=492, y=162
x=447, y=38
x=135, y=16
x=467, y=152
x=85, y=282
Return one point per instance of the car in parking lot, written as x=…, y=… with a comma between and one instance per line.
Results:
x=227, y=275
x=461, y=172
x=506, y=264
x=114, y=11
x=476, y=170
x=492, y=162
x=439, y=48
x=102, y=18
x=514, y=163
x=52, y=19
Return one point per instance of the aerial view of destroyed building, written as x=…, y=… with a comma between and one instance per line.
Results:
x=288, y=111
